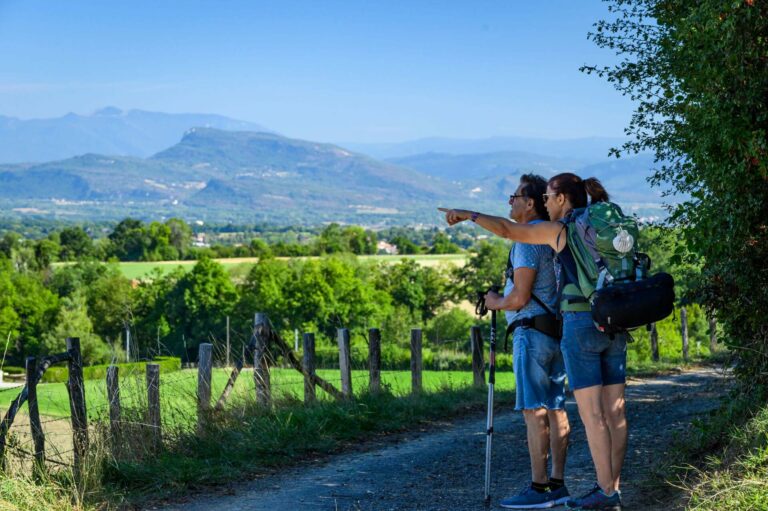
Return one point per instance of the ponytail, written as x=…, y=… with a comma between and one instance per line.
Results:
x=595, y=190
x=578, y=190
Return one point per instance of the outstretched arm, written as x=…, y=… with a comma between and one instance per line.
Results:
x=542, y=233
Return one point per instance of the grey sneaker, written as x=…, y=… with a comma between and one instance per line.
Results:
x=531, y=499
x=596, y=500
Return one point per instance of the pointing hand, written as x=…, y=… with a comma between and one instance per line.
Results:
x=454, y=216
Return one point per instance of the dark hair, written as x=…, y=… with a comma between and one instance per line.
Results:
x=577, y=189
x=534, y=187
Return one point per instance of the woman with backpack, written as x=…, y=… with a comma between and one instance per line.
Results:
x=595, y=361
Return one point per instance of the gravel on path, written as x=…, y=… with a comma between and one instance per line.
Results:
x=444, y=469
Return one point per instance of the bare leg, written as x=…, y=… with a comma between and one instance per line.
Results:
x=559, y=429
x=537, y=427
x=615, y=416
x=598, y=436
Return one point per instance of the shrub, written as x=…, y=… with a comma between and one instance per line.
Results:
x=58, y=374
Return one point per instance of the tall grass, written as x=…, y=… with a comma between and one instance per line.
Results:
x=722, y=461
x=247, y=439
x=240, y=441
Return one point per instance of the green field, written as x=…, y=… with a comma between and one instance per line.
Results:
x=239, y=266
x=178, y=390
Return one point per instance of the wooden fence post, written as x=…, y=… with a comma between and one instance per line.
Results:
x=345, y=361
x=228, y=344
x=416, y=364
x=309, y=366
x=684, y=331
x=260, y=362
x=712, y=334
x=34, y=413
x=478, y=365
x=76, y=388
x=113, y=395
x=374, y=360
x=654, y=343
x=204, y=374
x=153, y=402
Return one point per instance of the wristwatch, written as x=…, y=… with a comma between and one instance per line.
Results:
x=474, y=216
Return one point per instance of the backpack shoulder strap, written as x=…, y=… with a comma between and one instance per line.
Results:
x=510, y=275
x=541, y=302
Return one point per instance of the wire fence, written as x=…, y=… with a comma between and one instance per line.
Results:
x=131, y=417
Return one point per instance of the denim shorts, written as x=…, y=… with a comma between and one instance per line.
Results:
x=592, y=357
x=539, y=370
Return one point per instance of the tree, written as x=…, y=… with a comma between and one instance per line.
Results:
x=442, y=244
x=36, y=308
x=259, y=248
x=8, y=243
x=129, y=240
x=484, y=268
x=180, y=235
x=422, y=290
x=669, y=253
x=110, y=301
x=451, y=325
x=198, y=305
x=75, y=244
x=264, y=290
x=405, y=246
x=159, y=247
x=359, y=241
x=46, y=251
x=151, y=310
x=10, y=322
x=697, y=73
x=73, y=321
x=331, y=240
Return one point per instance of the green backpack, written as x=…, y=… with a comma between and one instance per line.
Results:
x=608, y=275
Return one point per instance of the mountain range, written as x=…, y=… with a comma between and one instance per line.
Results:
x=251, y=175
x=584, y=150
x=225, y=176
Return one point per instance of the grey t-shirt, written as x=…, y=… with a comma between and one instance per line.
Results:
x=541, y=259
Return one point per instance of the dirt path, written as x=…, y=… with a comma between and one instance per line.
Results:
x=443, y=470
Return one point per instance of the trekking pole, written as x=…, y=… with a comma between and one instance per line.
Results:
x=482, y=311
x=489, y=421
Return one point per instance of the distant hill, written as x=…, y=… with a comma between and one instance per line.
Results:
x=245, y=176
x=222, y=175
x=493, y=176
x=106, y=131
x=585, y=150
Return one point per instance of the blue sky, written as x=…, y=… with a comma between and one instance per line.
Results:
x=362, y=71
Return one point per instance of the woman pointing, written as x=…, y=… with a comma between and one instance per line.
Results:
x=595, y=362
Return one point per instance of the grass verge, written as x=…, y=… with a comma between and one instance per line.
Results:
x=245, y=440
x=722, y=462
x=241, y=443
x=22, y=493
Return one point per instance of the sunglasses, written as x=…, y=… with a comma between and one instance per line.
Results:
x=515, y=196
x=545, y=196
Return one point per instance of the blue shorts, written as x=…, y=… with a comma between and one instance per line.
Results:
x=539, y=370
x=592, y=357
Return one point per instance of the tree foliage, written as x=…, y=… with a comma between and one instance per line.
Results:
x=485, y=268
x=697, y=71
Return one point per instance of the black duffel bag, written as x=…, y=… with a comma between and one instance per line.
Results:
x=628, y=305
